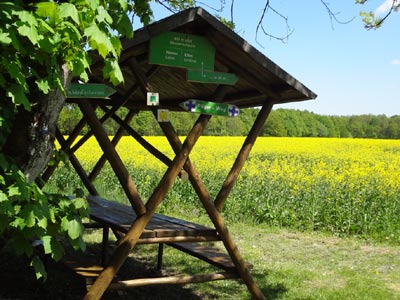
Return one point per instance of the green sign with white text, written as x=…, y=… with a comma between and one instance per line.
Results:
x=210, y=108
x=206, y=76
x=89, y=90
x=182, y=50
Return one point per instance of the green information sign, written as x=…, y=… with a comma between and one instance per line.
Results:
x=89, y=90
x=211, y=77
x=210, y=108
x=182, y=50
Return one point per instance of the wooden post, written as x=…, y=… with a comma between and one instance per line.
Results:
x=242, y=155
x=130, y=239
x=112, y=156
x=117, y=137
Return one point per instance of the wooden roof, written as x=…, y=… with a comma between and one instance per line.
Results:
x=260, y=79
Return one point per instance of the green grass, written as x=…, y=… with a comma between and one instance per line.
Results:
x=288, y=265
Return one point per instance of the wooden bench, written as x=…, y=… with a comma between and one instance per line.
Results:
x=182, y=235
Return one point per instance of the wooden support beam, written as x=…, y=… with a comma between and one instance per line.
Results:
x=242, y=155
x=141, y=77
x=77, y=166
x=182, y=279
x=145, y=144
x=112, y=156
x=130, y=239
x=117, y=137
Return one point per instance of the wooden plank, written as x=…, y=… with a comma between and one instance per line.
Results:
x=179, y=279
x=209, y=254
x=120, y=217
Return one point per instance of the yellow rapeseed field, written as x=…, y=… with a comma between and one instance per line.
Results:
x=298, y=159
x=340, y=185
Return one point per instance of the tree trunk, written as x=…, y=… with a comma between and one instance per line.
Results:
x=31, y=141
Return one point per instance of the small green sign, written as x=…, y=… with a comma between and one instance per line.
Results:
x=210, y=108
x=89, y=90
x=206, y=76
x=182, y=50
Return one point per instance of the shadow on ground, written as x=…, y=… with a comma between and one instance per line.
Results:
x=17, y=282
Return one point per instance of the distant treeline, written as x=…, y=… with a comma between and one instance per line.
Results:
x=281, y=122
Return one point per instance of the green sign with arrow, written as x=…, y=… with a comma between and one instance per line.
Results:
x=89, y=90
x=206, y=76
x=210, y=108
x=182, y=50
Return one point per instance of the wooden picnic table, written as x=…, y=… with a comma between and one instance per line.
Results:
x=243, y=77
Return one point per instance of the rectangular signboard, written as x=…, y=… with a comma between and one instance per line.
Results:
x=182, y=50
x=89, y=90
x=205, y=76
x=210, y=108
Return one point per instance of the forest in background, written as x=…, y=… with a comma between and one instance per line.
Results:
x=280, y=123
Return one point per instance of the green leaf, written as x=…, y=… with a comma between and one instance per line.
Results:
x=123, y=4
x=30, y=32
x=3, y=197
x=124, y=26
x=112, y=70
x=74, y=229
x=103, y=16
x=26, y=17
x=69, y=10
x=57, y=249
x=17, y=95
x=15, y=69
x=4, y=37
x=48, y=10
x=99, y=40
x=47, y=244
x=64, y=224
x=39, y=268
x=93, y=4
x=43, y=85
x=43, y=222
x=28, y=215
x=13, y=191
x=79, y=203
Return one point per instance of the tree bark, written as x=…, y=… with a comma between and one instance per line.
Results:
x=31, y=141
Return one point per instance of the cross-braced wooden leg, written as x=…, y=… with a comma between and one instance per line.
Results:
x=130, y=239
x=209, y=205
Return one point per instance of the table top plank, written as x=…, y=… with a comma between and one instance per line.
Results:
x=121, y=217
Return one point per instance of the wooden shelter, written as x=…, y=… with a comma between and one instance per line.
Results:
x=157, y=60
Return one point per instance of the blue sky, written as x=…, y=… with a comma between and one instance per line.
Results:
x=353, y=70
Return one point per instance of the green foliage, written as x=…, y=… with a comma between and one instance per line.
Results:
x=371, y=20
x=281, y=122
x=37, y=38
x=28, y=214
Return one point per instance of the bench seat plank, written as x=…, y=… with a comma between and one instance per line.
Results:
x=121, y=217
x=209, y=254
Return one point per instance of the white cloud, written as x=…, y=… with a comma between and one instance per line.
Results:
x=385, y=6
x=396, y=61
